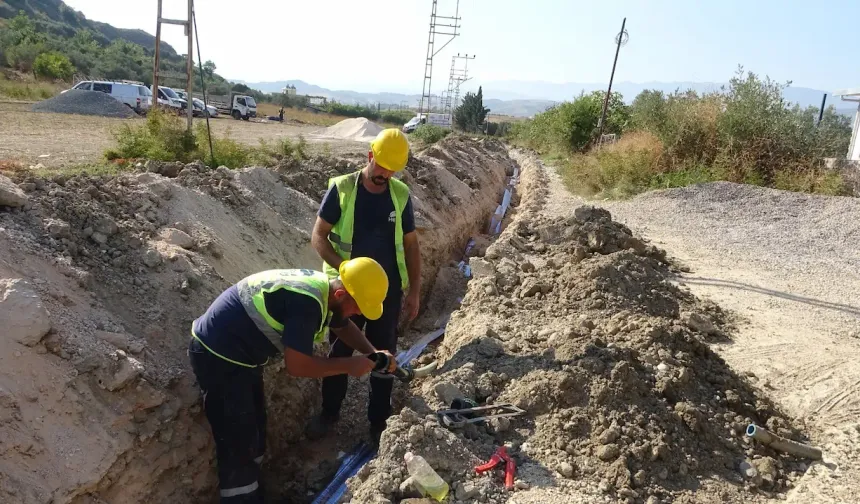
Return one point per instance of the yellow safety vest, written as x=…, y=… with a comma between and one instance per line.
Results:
x=340, y=236
x=251, y=294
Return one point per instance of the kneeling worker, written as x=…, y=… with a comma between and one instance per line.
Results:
x=258, y=318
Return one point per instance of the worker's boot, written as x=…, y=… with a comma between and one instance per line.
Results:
x=320, y=425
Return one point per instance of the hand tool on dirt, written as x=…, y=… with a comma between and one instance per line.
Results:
x=456, y=418
x=403, y=373
x=782, y=444
x=501, y=457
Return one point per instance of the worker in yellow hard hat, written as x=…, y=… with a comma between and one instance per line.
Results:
x=369, y=213
x=273, y=312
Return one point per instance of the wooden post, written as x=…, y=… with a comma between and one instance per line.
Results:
x=189, y=84
x=157, y=52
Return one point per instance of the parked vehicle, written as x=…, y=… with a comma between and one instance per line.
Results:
x=134, y=94
x=199, y=108
x=237, y=105
x=442, y=120
x=169, y=99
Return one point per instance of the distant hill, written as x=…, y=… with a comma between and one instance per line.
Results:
x=526, y=98
x=57, y=18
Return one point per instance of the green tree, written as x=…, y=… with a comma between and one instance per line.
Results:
x=471, y=114
x=53, y=65
x=241, y=88
x=648, y=110
x=209, y=68
x=23, y=30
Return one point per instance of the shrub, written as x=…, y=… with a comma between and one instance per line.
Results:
x=620, y=169
x=22, y=56
x=430, y=133
x=572, y=126
x=162, y=137
x=53, y=65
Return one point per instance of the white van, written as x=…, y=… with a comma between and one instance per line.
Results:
x=167, y=97
x=134, y=94
x=441, y=120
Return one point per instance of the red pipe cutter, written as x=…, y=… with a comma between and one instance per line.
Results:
x=501, y=457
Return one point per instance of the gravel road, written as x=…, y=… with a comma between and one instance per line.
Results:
x=787, y=264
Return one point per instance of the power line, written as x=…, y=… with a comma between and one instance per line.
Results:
x=448, y=30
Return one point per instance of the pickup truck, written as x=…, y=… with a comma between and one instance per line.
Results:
x=237, y=105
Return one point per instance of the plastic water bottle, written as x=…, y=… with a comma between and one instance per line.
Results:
x=425, y=478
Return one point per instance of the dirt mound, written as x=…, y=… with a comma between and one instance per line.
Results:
x=76, y=101
x=359, y=129
x=577, y=321
x=102, y=405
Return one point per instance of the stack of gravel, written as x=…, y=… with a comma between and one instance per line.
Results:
x=77, y=101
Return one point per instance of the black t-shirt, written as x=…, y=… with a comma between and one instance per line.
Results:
x=227, y=329
x=373, y=228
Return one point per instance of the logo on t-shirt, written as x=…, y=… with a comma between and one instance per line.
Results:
x=392, y=217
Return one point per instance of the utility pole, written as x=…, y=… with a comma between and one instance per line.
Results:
x=620, y=40
x=821, y=109
x=455, y=78
x=189, y=64
x=432, y=51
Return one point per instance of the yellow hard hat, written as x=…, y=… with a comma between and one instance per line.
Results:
x=390, y=149
x=367, y=283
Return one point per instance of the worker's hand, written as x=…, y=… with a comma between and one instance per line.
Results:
x=392, y=361
x=359, y=366
x=410, y=307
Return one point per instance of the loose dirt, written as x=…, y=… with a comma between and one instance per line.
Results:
x=783, y=263
x=574, y=319
x=98, y=403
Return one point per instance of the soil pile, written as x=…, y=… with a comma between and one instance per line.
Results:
x=77, y=101
x=576, y=321
x=359, y=129
x=97, y=402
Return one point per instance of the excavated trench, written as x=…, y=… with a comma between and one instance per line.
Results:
x=111, y=271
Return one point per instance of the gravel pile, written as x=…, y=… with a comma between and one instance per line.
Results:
x=76, y=101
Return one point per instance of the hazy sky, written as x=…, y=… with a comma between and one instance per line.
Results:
x=380, y=45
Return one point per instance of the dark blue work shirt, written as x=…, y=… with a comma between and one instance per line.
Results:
x=227, y=329
x=373, y=228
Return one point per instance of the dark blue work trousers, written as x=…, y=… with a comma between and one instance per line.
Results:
x=236, y=409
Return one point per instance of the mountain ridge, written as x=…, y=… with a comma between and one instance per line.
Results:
x=56, y=17
x=526, y=98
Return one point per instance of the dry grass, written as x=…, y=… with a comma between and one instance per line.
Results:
x=300, y=116
x=16, y=86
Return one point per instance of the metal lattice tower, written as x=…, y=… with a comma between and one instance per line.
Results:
x=455, y=78
x=432, y=51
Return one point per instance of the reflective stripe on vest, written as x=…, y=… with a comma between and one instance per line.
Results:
x=253, y=288
x=341, y=233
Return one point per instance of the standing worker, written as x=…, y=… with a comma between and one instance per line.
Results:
x=369, y=214
x=258, y=318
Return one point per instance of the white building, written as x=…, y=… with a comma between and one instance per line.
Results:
x=289, y=90
x=852, y=95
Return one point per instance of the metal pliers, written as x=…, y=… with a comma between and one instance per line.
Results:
x=501, y=457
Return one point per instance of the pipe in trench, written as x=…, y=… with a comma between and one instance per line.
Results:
x=782, y=444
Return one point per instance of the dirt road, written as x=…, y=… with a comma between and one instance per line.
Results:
x=787, y=265
x=59, y=140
